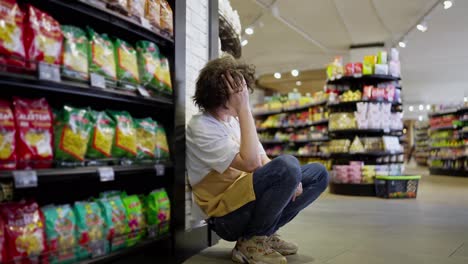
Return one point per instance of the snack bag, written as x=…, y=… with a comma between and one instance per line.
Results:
x=146, y=138
x=72, y=133
x=166, y=18
x=91, y=227
x=125, y=142
x=158, y=210
x=11, y=34
x=33, y=132
x=148, y=63
x=7, y=137
x=43, y=37
x=136, y=218
x=162, y=148
x=114, y=215
x=24, y=232
x=153, y=12
x=102, y=136
x=101, y=55
x=136, y=8
x=127, y=67
x=75, y=53
x=60, y=227
x=164, y=74
x=119, y=4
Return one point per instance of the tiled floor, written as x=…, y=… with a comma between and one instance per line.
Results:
x=433, y=229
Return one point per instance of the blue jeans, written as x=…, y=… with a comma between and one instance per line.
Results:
x=274, y=186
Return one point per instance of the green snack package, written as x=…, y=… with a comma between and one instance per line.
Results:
x=164, y=74
x=101, y=55
x=125, y=141
x=102, y=136
x=75, y=53
x=136, y=218
x=162, y=148
x=91, y=228
x=60, y=225
x=158, y=211
x=126, y=58
x=146, y=138
x=72, y=132
x=115, y=216
x=148, y=63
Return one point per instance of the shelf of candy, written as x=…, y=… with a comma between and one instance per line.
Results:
x=314, y=116
x=305, y=151
x=84, y=231
x=293, y=101
x=449, y=167
x=381, y=93
x=314, y=134
x=359, y=173
x=386, y=145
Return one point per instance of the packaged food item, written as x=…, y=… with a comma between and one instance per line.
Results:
x=7, y=137
x=24, y=232
x=153, y=12
x=356, y=146
x=136, y=218
x=136, y=8
x=125, y=142
x=164, y=74
x=101, y=55
x=357, y=69
x=11, y=34
x=127, y=67
x=148, y=63
x=368, y=64
x=162, y=148
x=6, y=192
x=381, y=69
x=121, y=5
x=158, y=211
x=115, y=218
x=382, y=57
x=146, y=138
x=33, y=119
x=43, y=37
x=102, y=136
x=72, y=133
x=75, y=53
x=349, y=69
x=166, y=18
x=60, y=227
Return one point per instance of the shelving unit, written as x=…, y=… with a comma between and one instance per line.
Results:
x=421, y=152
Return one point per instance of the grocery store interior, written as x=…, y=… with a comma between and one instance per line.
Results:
x=97, y=98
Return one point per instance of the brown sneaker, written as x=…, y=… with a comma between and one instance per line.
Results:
x=256, y=251
x=281, y=246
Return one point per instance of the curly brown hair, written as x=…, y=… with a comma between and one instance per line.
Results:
x=211, y=91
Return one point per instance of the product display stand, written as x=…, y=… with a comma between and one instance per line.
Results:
x=421, y=153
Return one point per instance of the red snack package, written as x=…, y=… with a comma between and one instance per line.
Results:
x=7, y=137
x=357, y=69
x=43, y=37
x=33, y=133
x=378, y=93
x=24, y=232
x=11, y=36
x=367, y=92
x=390, y=93
x=349, y=69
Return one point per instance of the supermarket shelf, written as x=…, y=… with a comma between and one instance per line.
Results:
x=457, y=147
x=444, y=128
x=290, y=109
x=310, y=155
x=448, y=158
x=118, y=255
x=316, y=123
x=353, y=103
x=353, y=132
x=448, y=172
x=442, y=113
x=375, y=78
x=352, y=189
x=294, y=141
x=363, y=154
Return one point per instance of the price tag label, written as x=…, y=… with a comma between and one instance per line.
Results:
x=25, y=179
x=98, y=248
x=145, y=23
x=142, y=90
x=160, y=169
x=106, y=174
x=98, y=81
x=49, y=72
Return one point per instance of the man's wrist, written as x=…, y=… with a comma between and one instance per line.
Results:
x=245, y=110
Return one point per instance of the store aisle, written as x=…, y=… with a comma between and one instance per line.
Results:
x=432, y=229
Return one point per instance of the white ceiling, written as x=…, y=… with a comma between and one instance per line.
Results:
x=433, y=63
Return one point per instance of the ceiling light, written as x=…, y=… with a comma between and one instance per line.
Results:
x=411, y=108
x=428, y=107
x=277, y=75
x=448, y=4
x=402, y=44
x=244, y=42
x=295, y=73
x=420, y=118
x=249, y=31
x=421, y=107
x=298, y=83
x=422, y=26
x=465, y=99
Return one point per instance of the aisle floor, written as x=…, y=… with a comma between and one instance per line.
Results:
x=432, y=229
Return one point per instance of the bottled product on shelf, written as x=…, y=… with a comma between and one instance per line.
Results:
x=422, y=152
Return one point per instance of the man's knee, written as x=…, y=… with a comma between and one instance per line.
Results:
x=290, y=169
x=324, y=178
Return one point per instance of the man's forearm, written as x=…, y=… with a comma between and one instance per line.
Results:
x=249, y=139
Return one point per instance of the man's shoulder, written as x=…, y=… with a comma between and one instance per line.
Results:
x=203, y=122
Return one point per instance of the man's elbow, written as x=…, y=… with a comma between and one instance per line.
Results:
x=252, y=166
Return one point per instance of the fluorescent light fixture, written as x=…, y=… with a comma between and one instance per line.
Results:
x=421, y=107
x=277, y=75
x=422, y=26
x=244, y=42
x=420, y=118
x=465, y=99
x=428, y=107
x=295, y=73
x=298, y=83
x=448, y=4
x=249, y=31
x=411, y=108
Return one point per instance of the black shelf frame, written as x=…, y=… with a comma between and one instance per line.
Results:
x=353, y=103
x=298, y=126
x=374, y=78
x=350, y=133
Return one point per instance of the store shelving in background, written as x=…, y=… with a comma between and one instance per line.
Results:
x=421, y=138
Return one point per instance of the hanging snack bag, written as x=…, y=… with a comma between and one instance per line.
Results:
x=60, y=227
x=101, y=55
x=166, y=18
x=148, y=63
x=11, y=34
x=136, y=8
x=162, y=148
x=43, y=37
x=114, y=215
x=72, y=133
x=33, y=132
x=164, y=74
x=158, y=210
x=136, y=218
x=153, y=12
x=75, y=53
x=146, y=138
x=127, y=67
x=7, y=137
x=24, y=232
x=125, y=142
x=102, y=136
